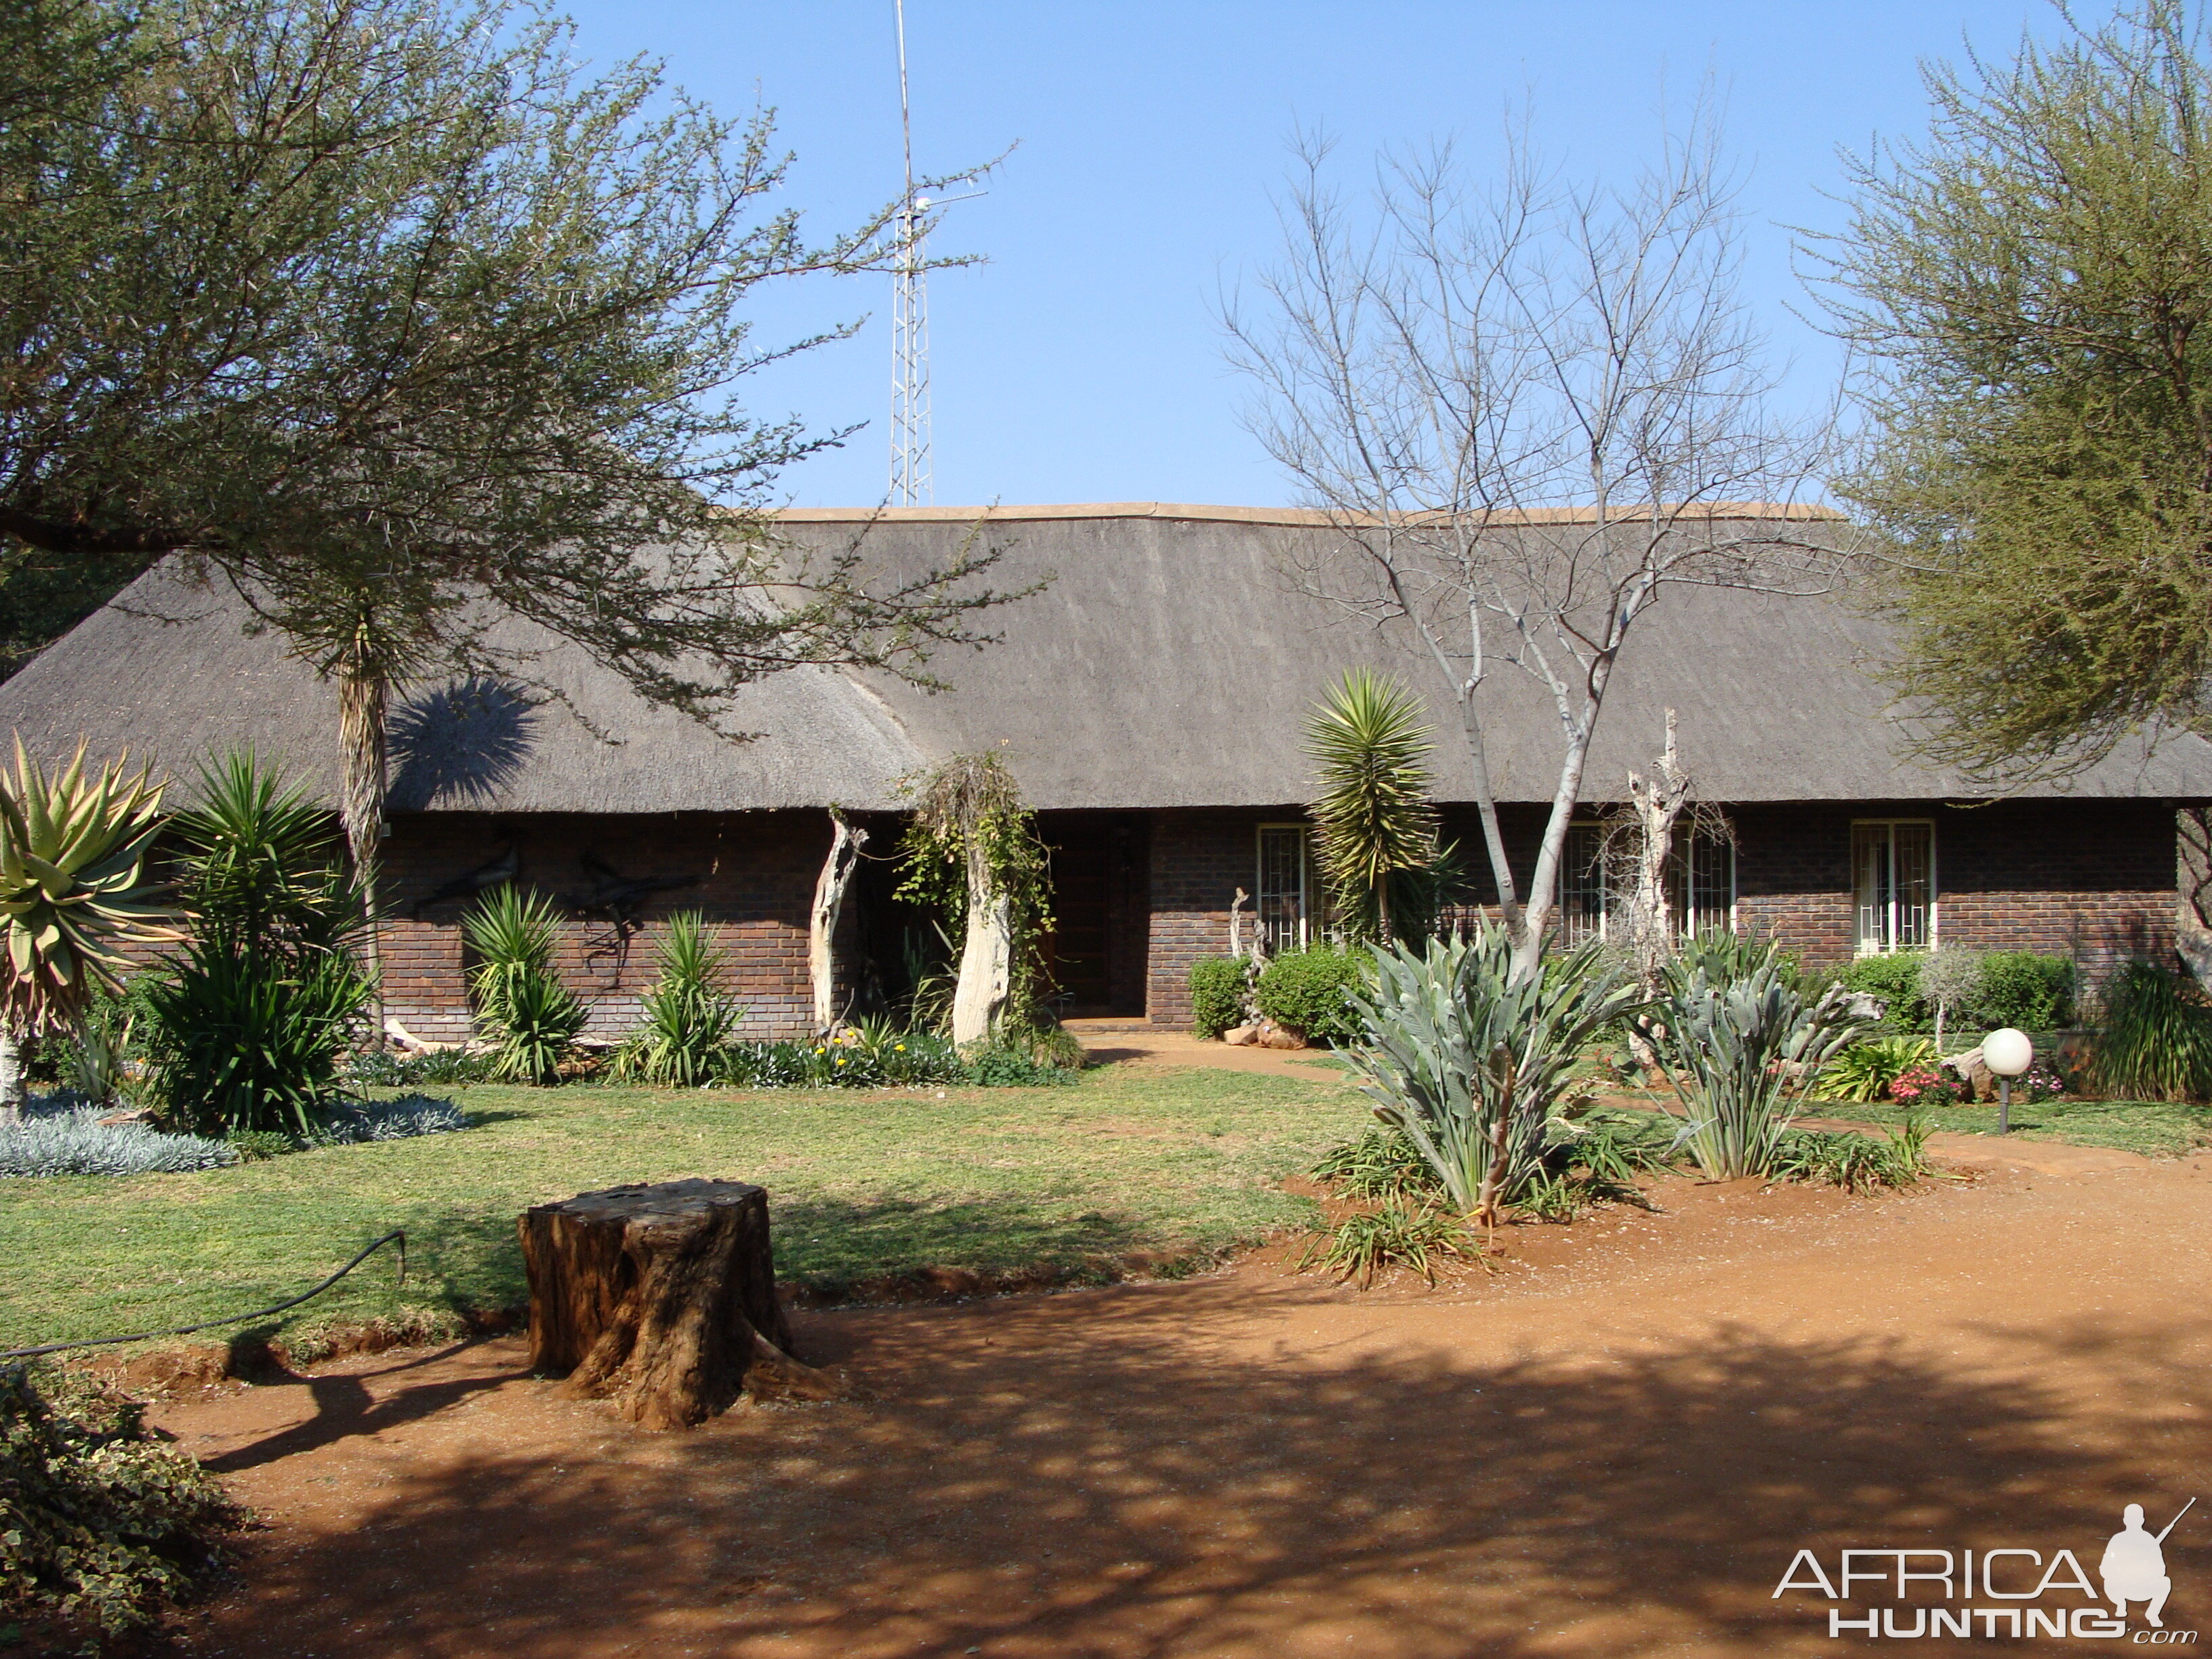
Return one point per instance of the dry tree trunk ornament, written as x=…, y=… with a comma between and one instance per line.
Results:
x=845, y=845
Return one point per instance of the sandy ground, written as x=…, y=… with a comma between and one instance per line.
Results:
x=1614, y=1447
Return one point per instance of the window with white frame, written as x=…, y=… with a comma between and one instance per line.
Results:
x=1700, y=883
x=1894, y=883
x=1286, y=887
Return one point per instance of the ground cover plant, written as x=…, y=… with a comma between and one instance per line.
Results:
x=100, y=1525
x=63, y=1135
x=1177, y=1167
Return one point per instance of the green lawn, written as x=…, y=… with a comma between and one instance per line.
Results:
x=1181, y=1164
x=2153, y=1128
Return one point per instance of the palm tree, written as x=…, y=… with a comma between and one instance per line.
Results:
x=73, y=889
x=1370, y=745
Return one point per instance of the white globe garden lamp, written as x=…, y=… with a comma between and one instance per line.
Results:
x=2008, y=1054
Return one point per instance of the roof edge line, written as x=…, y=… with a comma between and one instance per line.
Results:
x=1302, y=516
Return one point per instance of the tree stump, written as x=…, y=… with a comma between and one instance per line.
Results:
x=662, y=1299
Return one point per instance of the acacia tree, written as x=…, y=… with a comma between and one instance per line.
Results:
x=2028, y=290
x=388, y=316
x=1526, y=411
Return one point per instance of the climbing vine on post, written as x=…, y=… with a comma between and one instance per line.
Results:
x=971, y=852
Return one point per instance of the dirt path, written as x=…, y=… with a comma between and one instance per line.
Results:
x=1613, y=1451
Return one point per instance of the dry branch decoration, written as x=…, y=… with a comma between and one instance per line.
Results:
x=845, y=844
x=1527, y=413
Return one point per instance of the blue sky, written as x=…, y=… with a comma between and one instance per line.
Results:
x=1083, y=362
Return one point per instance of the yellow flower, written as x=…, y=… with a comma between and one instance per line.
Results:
x=901, y=1046
x=841, y=1060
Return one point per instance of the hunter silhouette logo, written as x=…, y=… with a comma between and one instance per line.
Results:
x=2033, y=1594
x=2133, y=1567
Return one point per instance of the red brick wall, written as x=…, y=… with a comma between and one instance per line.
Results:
x=756, y=875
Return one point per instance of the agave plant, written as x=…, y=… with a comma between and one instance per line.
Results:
x=73, y=892
x=1468, y=1065
x=531, y=1016
x=1735, y=1043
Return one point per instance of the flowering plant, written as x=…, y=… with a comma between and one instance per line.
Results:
x=1923, y=1085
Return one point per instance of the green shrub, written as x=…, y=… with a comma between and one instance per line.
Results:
x=1895, y=980
x=687, y=1018
x=1864, y=1071
x=100, y=1525
x=1216, y=995
x=2157, y=1040
x=2026, y=990
x=1309, y=992
x=530, y=1016
x=243, y=1040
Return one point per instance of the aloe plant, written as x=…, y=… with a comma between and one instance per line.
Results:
x=73, y=892
x=1469, y=1064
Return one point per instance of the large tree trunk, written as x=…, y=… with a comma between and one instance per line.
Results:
x=845, y=845
x=11, y=1078
x=987, y=957
x=1657, y=806
x=662, y=1299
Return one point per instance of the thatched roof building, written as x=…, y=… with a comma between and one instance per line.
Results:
x=1166, y=663
x=1150, y=698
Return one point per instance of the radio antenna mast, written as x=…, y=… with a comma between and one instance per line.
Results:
x=910, y=479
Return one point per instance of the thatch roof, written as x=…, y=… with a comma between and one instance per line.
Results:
x=1166, y=663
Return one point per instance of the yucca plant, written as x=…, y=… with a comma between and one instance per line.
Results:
x=1372, y=814
x=250, y=1024
x=1467, y=1065
x=531, y=1016
x=73, y=892
x=687, y=1018
x=2156, y=1043
x=1735, y=1043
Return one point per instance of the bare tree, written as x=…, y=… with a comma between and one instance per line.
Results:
x=1526, y=411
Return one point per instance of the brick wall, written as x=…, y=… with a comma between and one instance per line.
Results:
x=2093, y=880
x=754, y=881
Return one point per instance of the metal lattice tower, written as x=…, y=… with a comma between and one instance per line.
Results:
x=910, y=480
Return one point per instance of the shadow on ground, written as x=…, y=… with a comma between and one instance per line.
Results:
x=1074, y=1478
